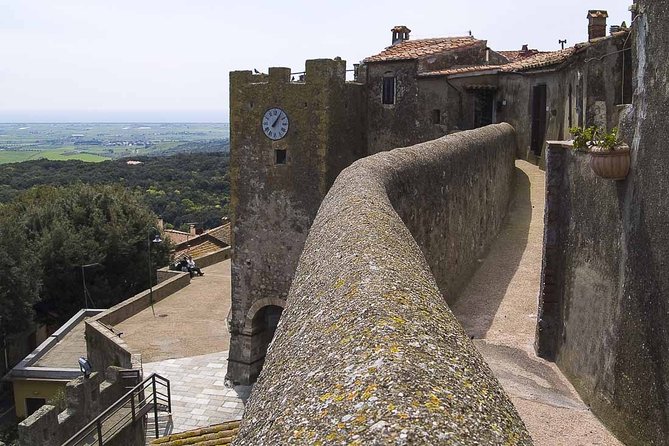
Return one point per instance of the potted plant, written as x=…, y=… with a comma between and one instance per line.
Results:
x=609, y=157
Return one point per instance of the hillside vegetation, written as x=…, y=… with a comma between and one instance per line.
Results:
x=48, y=233
x=182, y=188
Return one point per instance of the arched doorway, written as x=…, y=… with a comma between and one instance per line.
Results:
x=265, y=321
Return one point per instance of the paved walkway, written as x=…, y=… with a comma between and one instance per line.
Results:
x=190, y=322
x=187, y=342
x=499, y=307
x=199, y=395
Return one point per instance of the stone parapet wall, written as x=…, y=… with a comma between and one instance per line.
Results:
x=367, y=350
x=214, y=257
x=85, y=399
x=104, y=346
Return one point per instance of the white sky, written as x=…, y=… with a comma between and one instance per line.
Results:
x=168, y=60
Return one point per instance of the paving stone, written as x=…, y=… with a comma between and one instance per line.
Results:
x=200, y=400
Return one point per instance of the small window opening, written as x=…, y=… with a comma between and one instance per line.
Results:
x=571, y=106
x=388, y=90
x=280, y=156
x=436, y=116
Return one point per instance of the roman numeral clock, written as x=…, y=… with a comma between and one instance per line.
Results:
x=275, y=123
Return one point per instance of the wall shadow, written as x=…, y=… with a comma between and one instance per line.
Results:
x=477, y=304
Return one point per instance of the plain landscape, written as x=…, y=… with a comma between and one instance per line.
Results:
x=95, y=142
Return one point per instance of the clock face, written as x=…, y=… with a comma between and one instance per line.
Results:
x=275, y=123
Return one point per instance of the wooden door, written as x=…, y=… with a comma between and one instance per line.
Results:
x=538, y=118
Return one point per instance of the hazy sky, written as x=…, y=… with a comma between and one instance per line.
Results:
x=168, y=60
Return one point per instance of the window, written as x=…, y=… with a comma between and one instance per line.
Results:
x=32, y=404
x=436, y=116
x=279, y=157
x=388, y=89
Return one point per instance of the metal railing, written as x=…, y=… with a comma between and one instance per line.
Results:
x=151, y=395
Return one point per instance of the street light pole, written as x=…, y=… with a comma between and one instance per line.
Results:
x=156, y=239
x=83, y=281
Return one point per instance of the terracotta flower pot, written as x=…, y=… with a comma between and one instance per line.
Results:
x=610, y=164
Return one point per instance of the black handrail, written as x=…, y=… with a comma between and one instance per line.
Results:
x=138, y=409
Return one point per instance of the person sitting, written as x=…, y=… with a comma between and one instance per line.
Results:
x=192, y=268
x=182, y=265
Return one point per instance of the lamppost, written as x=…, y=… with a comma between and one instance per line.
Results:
x=87, y=295
x=149, y=241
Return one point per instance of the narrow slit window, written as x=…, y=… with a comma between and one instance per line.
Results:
x=389, y=90
x=279, y=156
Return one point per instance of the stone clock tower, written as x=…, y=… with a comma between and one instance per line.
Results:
x=288, y=142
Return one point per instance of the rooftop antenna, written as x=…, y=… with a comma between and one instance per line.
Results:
x=562, y=42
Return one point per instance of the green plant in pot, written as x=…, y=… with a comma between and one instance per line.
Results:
x=609, y=157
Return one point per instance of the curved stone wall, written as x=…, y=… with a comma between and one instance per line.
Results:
x=367, y=351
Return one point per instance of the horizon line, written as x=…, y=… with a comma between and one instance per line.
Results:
x=114, y=122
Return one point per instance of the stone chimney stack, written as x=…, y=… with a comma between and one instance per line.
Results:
x=400, y=34
x=191, y=229
x=597, y=23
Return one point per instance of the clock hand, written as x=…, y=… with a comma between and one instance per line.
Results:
x=276, y=120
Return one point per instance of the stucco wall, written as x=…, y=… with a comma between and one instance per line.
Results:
x=367, y=350
x=33, y=389
x=605, y=290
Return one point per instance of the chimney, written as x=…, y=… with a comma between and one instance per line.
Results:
x=191, y=229
x=400, y=34
x=597, y=23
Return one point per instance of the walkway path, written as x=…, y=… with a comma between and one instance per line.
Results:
x=186, y=340
x=190, y=322
x=498, y=309
x=199, y=395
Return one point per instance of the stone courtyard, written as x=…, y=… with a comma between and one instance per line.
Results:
x=199, y=395
x=184, y=339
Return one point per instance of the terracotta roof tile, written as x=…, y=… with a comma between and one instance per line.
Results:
x=537, y=60
x=222, y=232
x=597, y=13
x=518, y=54
x=199, y=249
x=217, y=434
x=177, y=236
x=415, y=49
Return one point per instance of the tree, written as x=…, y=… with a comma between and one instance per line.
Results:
x=62, y=228
x=19, y=280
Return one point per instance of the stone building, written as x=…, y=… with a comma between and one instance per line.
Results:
x=291, y=136
x=604, y=299
x=278, y=185
x=422, y=89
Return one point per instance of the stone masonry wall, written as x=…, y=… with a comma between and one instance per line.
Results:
x=605, y=288
x=367, y=350
x=274, y=203
x=86, y=398
x=104, y=347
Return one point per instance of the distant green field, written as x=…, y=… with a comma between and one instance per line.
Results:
x=101, y=141
x=61, y=154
